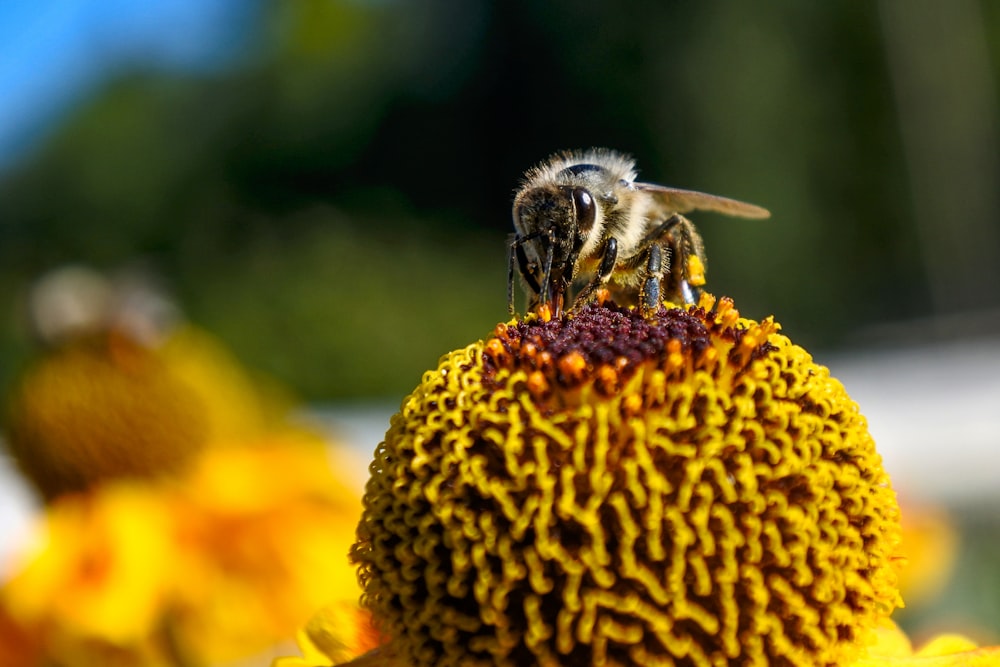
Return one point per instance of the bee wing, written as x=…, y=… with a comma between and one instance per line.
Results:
x=684, y=201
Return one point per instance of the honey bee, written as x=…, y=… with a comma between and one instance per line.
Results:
x=581, y=218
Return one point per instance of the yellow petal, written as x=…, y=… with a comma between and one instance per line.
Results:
x=891, y=648
x=100, y=566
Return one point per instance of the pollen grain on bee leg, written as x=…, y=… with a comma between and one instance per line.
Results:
x=545, y=312
x=696, y=271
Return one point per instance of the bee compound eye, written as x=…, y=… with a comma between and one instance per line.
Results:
x=586, y=209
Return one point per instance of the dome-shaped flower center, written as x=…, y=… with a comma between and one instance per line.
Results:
x=607, y=489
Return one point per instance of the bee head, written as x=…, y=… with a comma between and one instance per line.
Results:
x=552, y=224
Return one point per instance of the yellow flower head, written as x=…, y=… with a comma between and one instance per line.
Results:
x=190, y=518
x=606, y=489
x=108, y=406
x=122, y=389
x=102, y=407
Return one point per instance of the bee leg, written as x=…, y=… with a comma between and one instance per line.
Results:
x=684, y=266
x=512, y=247
x=545, y=293
x=515, y=254
x=649, y=295
x=604, y=271
x=690, y=293
x=689, y=271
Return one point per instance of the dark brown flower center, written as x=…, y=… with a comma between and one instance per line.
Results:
x=607, y=343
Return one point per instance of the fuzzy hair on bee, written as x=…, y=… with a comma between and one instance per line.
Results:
x=582, y=220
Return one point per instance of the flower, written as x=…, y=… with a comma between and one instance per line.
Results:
x=123, y=389
x=98, y=567
x=886, y=646
x=265, y=532
x=218, y=565
x=336, y=634
x=108, y=406
x=929, y=549
x=99, y=408
x=189, y=518
x=889, y=647
x=605, y=489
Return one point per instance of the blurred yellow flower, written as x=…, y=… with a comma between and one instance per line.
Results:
x=265, y=534
x=219, y=565
x=98, y=408
x=238, y=405
x=107, y=406
x=606, y=489
x=337, y=634
x=99, y=566
x=889, y=647
x=190, y=520
x=19, y=646
x=929, y=549
x=123, y=390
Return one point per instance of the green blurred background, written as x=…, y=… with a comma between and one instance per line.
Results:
x=326, y=184
x=332, y=195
